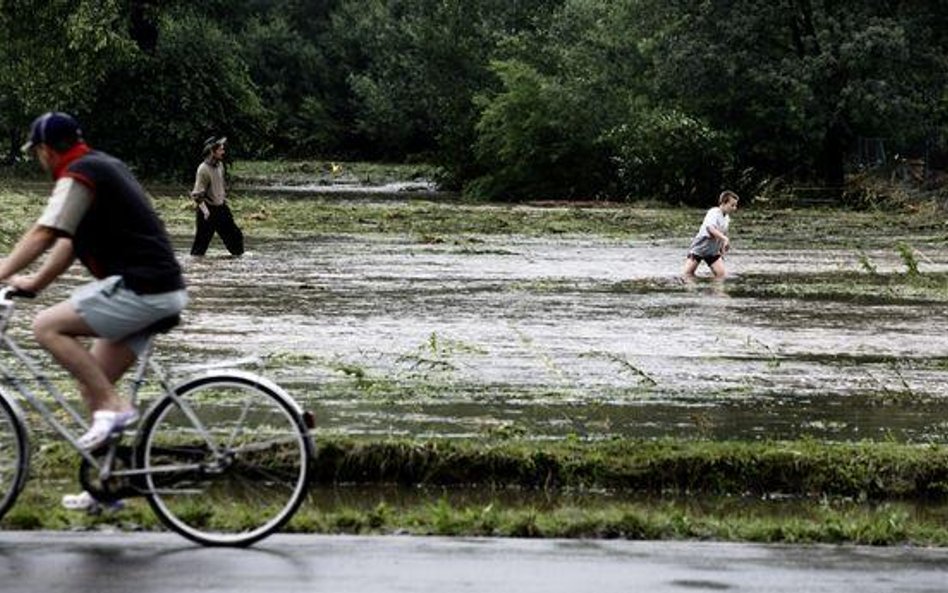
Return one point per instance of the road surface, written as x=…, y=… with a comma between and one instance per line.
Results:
x=159, y=563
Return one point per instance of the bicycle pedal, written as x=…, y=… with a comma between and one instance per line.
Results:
x=101, y=508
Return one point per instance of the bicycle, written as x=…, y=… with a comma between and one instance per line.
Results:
x=223, y=457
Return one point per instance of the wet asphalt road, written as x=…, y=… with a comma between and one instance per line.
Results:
x=157, y=563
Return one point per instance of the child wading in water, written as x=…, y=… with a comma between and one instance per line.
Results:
x=711, y=242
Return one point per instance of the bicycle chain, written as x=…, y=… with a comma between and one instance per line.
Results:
x=112, y=488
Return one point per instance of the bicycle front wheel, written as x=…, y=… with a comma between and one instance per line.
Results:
x=226, y=460
x=14, y=453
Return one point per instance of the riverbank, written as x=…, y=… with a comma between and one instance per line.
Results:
x=791, y=492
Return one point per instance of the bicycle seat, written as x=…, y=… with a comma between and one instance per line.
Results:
x=164, y=325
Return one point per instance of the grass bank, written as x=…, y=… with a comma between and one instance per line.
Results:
x=860, y=471
x=802, y=491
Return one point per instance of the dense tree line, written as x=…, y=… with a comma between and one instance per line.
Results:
x=512, y=98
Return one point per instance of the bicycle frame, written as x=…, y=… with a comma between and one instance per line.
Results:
x=186, y=450
x=144, y=367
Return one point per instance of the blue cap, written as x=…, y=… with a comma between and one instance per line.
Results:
x=53, y=128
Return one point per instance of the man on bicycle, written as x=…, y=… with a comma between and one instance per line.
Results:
x=100, y=214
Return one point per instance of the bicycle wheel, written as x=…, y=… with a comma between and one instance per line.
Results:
x=14, y=454
x=228, y=465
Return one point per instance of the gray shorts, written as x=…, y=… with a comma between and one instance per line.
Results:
x=118, y=314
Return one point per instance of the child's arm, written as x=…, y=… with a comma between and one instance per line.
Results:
x=717, y=234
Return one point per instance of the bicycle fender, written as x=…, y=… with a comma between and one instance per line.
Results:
x=248, y=377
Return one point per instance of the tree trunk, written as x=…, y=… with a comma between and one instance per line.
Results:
x=143, y=25
x=832, y=159
x=13, y=148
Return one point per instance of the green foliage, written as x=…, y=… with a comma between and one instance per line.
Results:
x=907, y=253
x=192, y=86
x=670, y=156
x=392, y=49
x=527, y=99
x=534, y=139
x=53, y=54
x=563, y=87
x=412, y=68
x=796, y=82
x=291, y=75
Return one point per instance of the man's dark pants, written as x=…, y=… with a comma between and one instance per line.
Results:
x=222, y=222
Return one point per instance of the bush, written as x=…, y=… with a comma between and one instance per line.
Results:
x=669, y=156
x=191, y=86
x=536, y=140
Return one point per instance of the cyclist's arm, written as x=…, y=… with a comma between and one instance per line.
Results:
x=31, y=245
x=59, y=260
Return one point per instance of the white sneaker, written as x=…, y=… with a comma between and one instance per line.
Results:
x=88, y=503
x=105, y=423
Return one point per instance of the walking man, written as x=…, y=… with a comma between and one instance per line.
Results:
x=212, y=213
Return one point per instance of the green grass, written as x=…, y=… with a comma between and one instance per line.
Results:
x=847, y=523
x=898, y=287
x=859, y=471
x=297, y=172
x=456, y=220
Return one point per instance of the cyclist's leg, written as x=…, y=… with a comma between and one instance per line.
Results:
x=114, y=358
x=57, y=329
x=116, y=317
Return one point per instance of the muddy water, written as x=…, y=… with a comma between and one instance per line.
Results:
x=550, y=338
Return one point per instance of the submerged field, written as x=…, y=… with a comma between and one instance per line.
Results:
x=424, y=320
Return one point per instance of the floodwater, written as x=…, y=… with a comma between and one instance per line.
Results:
x=577, y=337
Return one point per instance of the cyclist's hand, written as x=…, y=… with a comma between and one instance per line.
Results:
x=25, y=284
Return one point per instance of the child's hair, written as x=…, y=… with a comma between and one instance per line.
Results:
x=727, y=195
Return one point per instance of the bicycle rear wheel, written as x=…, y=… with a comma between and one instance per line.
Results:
x=230, y=464
x=14, y=454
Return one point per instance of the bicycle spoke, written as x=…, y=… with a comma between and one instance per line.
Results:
x=238, y=426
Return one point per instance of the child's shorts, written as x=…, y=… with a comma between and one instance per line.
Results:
x=708, y=259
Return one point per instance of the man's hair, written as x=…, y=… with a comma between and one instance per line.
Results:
x=212, y=143
x=727, y=195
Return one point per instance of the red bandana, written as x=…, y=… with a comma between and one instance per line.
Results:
x=66, y=158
